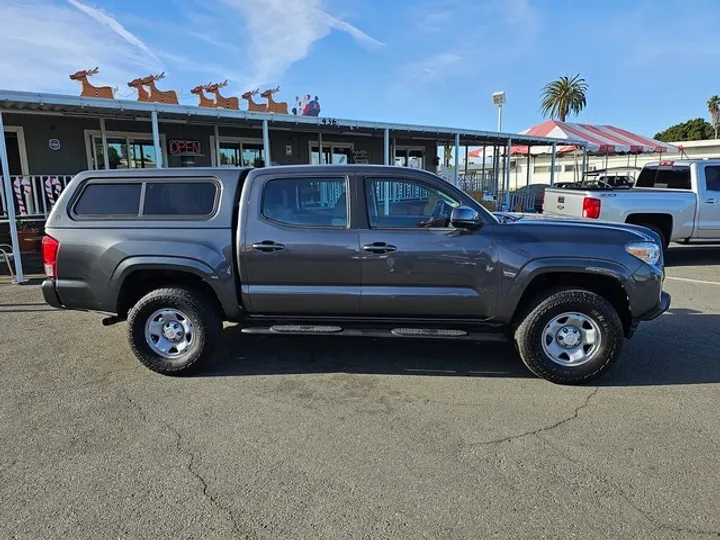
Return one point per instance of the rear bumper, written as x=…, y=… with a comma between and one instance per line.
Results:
x=50, y=293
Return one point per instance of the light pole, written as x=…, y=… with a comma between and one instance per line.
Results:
x=499, y=100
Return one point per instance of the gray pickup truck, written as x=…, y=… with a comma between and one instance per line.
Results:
x=342, y=250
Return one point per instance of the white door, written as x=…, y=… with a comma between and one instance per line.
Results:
x=709, y=194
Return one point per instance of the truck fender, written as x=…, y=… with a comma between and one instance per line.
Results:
x=558, y=265
x=221, y=280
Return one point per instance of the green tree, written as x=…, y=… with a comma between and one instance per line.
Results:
x=692, y=130
x=714, y=109
x=565, y=96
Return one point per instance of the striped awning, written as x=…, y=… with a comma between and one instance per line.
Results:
x=599, y=139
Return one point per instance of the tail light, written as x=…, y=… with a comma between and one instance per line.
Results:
x=49, y=255
x=591, y=208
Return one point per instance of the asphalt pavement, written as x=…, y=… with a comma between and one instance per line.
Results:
x=293, y=438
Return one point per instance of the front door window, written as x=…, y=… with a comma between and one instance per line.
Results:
x=402, y=204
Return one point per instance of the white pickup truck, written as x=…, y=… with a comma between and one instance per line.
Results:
x=679, y=200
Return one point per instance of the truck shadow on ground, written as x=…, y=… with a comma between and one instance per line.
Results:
x=692, y=256
x=678, y=348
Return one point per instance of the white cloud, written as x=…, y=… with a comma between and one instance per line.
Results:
x=42, y=43
x=111, y=23
x=249, y=42
x=280, y=33
x=437, y=68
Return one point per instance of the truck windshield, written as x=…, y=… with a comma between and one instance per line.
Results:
x=664, y=178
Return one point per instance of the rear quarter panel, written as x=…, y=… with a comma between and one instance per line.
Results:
x=617, y=206
x=95, y=256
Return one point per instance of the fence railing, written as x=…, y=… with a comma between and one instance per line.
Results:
x=33, y=195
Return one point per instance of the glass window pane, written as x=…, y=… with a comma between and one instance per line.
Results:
x=416, y=159
x=109, y=200
x=314, y=203
x=252, y=155
x=712, y=178
x=179, y=198
x=229, y=155
x=341, y=155
x=407, y=204
x=142, y=155
x=117, y=153
x=315, y=155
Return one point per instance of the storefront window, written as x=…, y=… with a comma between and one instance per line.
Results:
x=124, y=153
x=240, y=154
x=337, y=154
x=410, y=157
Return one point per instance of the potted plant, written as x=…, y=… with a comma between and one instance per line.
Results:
x=29, y=235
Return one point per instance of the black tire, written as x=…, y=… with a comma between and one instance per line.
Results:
x=529, y=336
x=664, y=241
x=199, y=310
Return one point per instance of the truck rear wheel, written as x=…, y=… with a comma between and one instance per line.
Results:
x=173, y=330
x=571, y=336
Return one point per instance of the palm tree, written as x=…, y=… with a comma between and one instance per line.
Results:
x=714, y=108
x=564, y=96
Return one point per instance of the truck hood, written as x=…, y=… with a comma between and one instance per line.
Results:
x=574, y=224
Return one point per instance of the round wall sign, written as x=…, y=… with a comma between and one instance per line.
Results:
x=54, y=144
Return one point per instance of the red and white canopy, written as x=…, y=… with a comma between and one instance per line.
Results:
x=599, y=140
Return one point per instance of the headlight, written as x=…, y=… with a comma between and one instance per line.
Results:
x=648, y=252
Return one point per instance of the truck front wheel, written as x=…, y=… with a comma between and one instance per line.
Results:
x=173, y=330
x=571, y=336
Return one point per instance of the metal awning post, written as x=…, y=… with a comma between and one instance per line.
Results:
x=386, y=147
x=466, y=159
x=482, y=176
x=10, y=203
x=266, y=142
x=584, y=162
x=527, y=177
x=103, y=137
x=218, y=161
x=156, y=140
x=457, y=159
x=507, y=173
x=552, y=165
x=321, y=154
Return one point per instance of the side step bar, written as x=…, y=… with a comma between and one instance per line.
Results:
x=318, y=330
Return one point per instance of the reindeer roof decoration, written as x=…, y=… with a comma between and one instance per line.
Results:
x=273, y=106
x=88, y=90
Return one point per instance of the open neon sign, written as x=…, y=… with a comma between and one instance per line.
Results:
x=182, y=146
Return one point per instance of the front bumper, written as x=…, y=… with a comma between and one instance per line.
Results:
x=50, y=293
x=662, y=306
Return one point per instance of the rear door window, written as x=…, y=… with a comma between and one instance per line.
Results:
x=664, y=178
x=712, y=178
x=109, y=200
x=179, y=198
x=307, y=202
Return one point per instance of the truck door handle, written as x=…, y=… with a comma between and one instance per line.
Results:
x=710, y=201
x=268, y=246
x=379, y=248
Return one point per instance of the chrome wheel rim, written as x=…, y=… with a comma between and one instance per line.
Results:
x=170, y=333
x=571, y=339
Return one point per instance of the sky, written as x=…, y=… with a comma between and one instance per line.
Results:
x=649, y=64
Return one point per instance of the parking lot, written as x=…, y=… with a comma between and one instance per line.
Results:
x=331, y=438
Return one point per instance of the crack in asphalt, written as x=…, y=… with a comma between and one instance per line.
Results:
x=247, y=534
x=628, y=500
x=557, y=424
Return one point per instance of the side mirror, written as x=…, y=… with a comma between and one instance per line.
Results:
x=464, y=217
